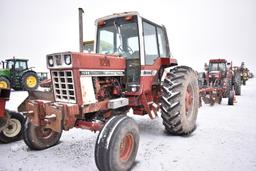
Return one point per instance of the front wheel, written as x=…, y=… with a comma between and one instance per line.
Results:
x=180, y=101
x=14, y=128
x=4, y=83
x=29, y=81
x=39, y=137
x=117, y=144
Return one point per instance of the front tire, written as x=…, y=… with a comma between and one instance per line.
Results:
x=14, y=128
x=29, y=81
x=4, y=83
x=117, y=144
x=39, y=138
x=180, y=101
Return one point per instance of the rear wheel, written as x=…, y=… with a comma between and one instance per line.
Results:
x=13, y=130
x=231, y=98
x=39, y=137
x=237, y=89
x=4, y=83
x=244, y=82
x=180, y=101
x=117, y=144
x=237, y=83
x=29, y=81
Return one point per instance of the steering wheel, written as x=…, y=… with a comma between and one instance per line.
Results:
x=130, y=51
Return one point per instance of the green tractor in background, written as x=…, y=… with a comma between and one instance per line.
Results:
x=16, y=74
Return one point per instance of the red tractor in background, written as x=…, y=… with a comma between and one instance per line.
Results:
x=11, y=123
x=132, y=69
x=220, y=82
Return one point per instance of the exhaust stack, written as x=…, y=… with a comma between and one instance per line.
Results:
x=81, y=11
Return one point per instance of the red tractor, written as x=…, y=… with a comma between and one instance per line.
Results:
x=131, y=69
x=11, y=123
x=221, y=82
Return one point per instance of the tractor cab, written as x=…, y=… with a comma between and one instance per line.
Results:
x=217, y=69
x=16, y=64
x=137, y=39
x=218, y=65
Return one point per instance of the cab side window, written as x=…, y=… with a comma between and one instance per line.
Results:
x=161, y=42
x=150, y=43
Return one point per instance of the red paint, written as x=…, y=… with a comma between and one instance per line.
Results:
x=126, y=147
x=217, y=60
x=2, y=108
x=97, y=61
x=89, y=125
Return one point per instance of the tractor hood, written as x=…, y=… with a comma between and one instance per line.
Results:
x=76, y=60
x=5, y=72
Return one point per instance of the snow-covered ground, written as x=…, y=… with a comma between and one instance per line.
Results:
x=225, y=139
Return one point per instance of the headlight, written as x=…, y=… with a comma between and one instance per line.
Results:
x=133, y=88
x=67, y=59
x=50, y=61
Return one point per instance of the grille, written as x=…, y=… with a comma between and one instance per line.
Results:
x=63, y=86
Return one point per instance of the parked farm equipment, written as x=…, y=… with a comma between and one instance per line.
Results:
x=17, y=75
x=11, y=123
x=132, y=69
x=221, y=82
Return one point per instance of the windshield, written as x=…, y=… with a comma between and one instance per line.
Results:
x=19, y=65
x=119, y=37
x=217, y=67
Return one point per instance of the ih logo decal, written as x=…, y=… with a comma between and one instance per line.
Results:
x=104, y=61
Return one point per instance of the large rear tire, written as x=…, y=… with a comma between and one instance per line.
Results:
x=39, y=138
x=180, y=101
x=237, y=89
x=29, y=81
x=231, y=98
x=4, y=83
x=13, y=130
x=117, y=144
x=237, y=83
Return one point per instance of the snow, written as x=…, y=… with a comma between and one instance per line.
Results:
x=224, y=140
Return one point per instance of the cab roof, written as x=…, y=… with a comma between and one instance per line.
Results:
x=217, y=60
x=115, y=15
x=16, y=59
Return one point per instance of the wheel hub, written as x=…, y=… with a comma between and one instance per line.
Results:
x=3, y=84
x=188, y=99
x=31, y=81
x=126, y=147
x=13, y=128
x=44, y=133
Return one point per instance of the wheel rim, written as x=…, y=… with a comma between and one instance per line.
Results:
x=188, y=100
x=13, y=128
x=31, y=81
x=44, y=133
x=126, y=147
x=3, y=84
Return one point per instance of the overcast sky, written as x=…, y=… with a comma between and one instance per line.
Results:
x=197, y=29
